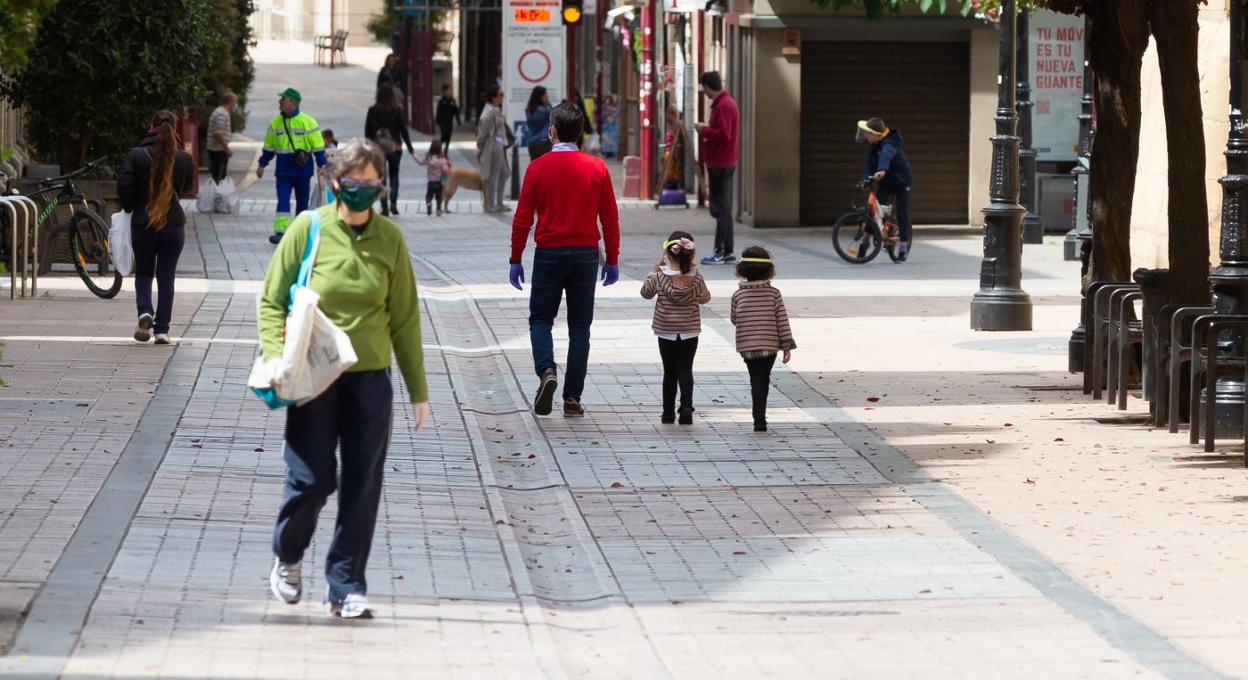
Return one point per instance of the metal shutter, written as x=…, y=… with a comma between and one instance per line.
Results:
x=919, y=88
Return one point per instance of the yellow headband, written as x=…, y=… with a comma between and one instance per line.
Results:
x=761, y=260
x=675, y=241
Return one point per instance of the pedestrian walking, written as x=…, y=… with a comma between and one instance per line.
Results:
x=447, y=116
x=363, y=274
x=154, y=176
x=679, y=291
x=494, y=137
x=571, y=193
x=392, y=75
x=294, y=138
x=575, y=97
x=537, y=123
x=220, y=133
x=386, y=126
x=887, y=165
x=762, y=326
x=720, y=139
x=437, y=168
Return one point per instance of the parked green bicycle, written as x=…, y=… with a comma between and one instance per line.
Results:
x=88, y=231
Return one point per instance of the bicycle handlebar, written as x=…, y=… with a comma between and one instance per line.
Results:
x=77, y=173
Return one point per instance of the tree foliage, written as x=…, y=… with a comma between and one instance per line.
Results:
x=19, y=24
x=229, y=64
x=100, y=68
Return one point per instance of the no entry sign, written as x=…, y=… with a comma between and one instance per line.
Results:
x=533, y=53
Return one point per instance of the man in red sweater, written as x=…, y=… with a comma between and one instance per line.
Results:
x=719, y=153
x=570, y=192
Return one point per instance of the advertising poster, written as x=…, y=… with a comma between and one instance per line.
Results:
x=1056, y=84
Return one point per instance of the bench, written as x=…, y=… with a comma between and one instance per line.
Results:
x=334, y=45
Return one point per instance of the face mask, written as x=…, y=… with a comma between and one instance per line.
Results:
x=359, y=199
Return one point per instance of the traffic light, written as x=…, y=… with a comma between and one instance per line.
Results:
x=573, y=10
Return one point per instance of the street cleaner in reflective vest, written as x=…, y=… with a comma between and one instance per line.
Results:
x=295, y=139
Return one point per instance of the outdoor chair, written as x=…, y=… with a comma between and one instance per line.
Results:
x=1206, y=360
x=1174, y=330
x=330, y=45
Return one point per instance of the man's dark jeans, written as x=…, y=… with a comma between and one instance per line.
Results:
x=720, y=180
x=572, y=270
x=885, y=194
x=156, y=256
x=355, y=412
x=218, y=165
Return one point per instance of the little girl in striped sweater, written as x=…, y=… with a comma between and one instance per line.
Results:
x=762, y=326
x=680, y=289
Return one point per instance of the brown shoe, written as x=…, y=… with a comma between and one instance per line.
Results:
x=572, y=408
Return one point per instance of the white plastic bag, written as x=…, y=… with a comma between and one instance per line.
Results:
x=593, y=144
x=314, y=352
x=120, y=246
x=227, y=197
x=206, y=200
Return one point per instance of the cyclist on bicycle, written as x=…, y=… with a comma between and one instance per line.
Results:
x=887, y=166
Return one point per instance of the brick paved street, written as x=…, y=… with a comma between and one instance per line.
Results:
x=931, y=502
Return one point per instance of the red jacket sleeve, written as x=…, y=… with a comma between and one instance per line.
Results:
x=522, y=222
x=609, y=215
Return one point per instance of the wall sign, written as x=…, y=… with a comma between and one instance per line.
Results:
x=533, y=54
x=1056, y=84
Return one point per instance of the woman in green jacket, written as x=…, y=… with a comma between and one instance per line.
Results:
x=363, y=274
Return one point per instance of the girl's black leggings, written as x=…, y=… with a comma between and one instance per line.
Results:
x=760, y=385
x=677, y=370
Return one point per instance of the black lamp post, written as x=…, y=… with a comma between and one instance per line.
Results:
x=1078, y=244
x=1001, y=304
x=1083, y=165
x=1230, y=279
x=1033, y=230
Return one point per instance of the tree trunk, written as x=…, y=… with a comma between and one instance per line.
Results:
x=1174, y=26
x=1119, y=35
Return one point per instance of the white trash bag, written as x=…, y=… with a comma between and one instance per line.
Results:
x=227, y=197
x=206, y=200
x=120, y=247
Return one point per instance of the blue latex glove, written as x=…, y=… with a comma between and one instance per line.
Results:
x=610, y=274
x=516, y=275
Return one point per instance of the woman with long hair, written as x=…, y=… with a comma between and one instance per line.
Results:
x=493, y=139
x=154, y=176
x=386, y=126
x=537, y=123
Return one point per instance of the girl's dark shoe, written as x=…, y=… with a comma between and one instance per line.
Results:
x=429, y=209
x=668, y=417
x=686, y=415
x=394, y=206
x=385, y=210
x=760, y=427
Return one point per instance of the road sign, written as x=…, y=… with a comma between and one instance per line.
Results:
x=533, y=53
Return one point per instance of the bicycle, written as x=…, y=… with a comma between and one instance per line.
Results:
x=88, y=231
x=859, y=234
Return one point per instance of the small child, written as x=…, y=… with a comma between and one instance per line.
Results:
x=679, y=287
x=437, y=167
x=762, y=326
x=331, y=152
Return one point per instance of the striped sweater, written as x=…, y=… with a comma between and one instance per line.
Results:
x=761, y=320
x=676, y=310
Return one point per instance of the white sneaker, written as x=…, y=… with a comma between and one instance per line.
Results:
x=286, y=581
x=162, y=339
x=143, y=332
x=353, y=606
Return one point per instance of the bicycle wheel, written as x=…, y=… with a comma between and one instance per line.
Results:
x=89, y=244
x=855, y=238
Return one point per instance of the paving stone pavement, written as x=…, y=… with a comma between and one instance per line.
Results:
x=518, y=547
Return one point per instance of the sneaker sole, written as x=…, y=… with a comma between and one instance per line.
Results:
x=278, y=594
x=144, y=332
x=544, y=403
x=573, y=414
